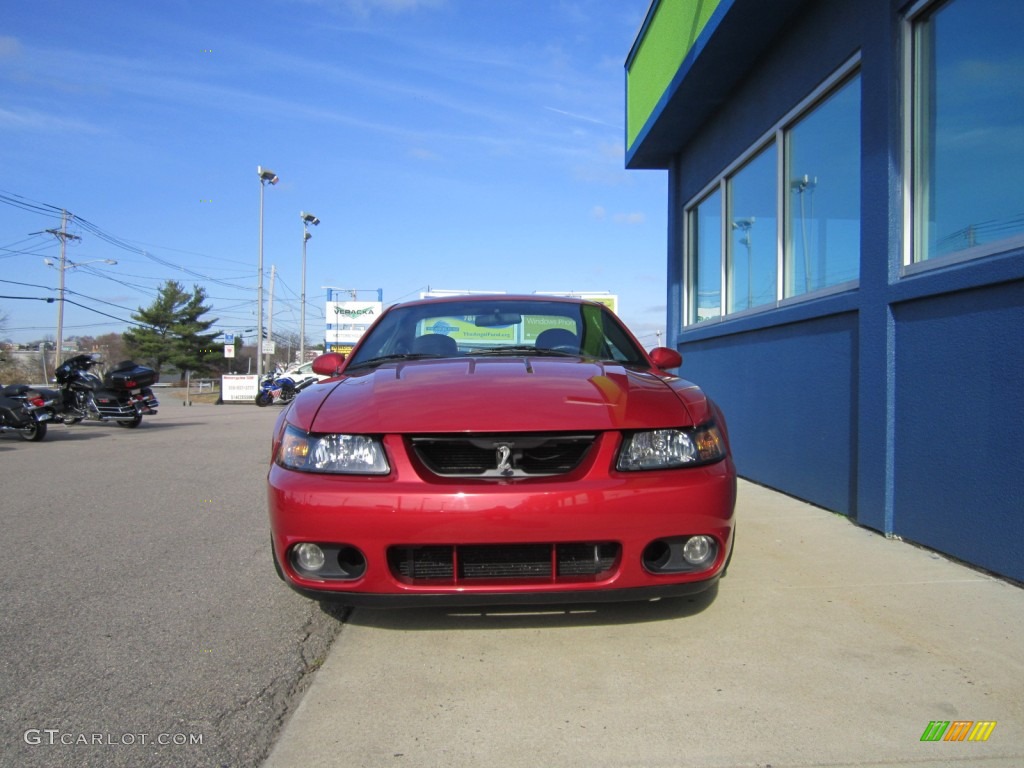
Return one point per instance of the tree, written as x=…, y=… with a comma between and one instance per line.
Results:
x=111, y=346
x=286, y=346
x=173, y=330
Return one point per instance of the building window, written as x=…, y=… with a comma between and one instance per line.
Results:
x=752, y=255
x=705, y=225
x=823, y=202
x=967, y=128
x=791, y=208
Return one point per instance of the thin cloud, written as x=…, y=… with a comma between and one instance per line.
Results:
x=418, y=153
x=630, y=219
x=600, y=213
x=584, y=118
x=31, y=120
x=365, y=8
x=9, y=47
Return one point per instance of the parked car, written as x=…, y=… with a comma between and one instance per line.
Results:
x=301, y=372
x=500, y=449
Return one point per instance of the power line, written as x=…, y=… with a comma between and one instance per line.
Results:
x=56, y=212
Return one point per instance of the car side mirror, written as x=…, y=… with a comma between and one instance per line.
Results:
x=665, y=358
x=328, y=365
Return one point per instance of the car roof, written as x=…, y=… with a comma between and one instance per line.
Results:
x=463, y=298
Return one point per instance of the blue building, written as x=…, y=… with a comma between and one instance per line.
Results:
x=846, y=249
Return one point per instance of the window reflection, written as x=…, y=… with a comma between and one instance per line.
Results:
x=752, y=248
x=735, y=234
x=823, y=206
x=706, y=237
x=968, y=133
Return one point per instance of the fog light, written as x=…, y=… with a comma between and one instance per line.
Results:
x=698, y=550
x=309, y=557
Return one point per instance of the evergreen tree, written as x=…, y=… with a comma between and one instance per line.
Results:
x=174, y=330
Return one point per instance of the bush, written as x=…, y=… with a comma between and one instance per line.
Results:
x=20, y=371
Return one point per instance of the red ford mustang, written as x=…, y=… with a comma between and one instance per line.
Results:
x=500, y=449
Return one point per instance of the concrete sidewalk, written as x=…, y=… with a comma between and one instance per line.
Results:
x=826, y=644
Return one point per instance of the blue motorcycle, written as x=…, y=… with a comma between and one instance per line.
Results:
x=275, y=388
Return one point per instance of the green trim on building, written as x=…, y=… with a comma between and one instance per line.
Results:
x=671, y=29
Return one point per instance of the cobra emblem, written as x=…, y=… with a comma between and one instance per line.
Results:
x=504, y=463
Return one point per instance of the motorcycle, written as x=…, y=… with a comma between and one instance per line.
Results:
x=24, y=410
x=275, y=388
x=123, y=395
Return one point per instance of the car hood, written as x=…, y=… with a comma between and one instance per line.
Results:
x=499, y=395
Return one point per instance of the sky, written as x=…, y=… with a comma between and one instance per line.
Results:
x=443, y=144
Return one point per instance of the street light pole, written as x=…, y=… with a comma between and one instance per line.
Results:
x=307, y=219
x=266, y=177
x=745, y=225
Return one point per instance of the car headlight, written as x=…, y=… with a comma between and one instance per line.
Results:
x=332, y=454
x=670, y=448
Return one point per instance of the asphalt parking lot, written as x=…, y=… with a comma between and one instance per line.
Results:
x=826, y=645
x=141, y=621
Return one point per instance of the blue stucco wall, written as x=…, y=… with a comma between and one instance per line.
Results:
x=959, y=425
x=788, y=380
x=787, y=394
x=899, y=402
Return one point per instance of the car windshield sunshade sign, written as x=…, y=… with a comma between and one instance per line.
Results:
x=467, y=331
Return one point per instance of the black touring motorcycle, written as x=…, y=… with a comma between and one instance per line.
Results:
x=25, y=410
x=123, y=395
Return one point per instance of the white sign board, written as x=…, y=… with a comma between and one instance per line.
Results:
x=239, y=389
x=348, y=320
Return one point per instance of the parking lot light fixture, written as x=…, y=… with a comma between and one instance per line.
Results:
x=307, y=219
x=267, y=176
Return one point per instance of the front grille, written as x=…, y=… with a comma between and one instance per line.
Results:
x=502, y=456
x=456, y=564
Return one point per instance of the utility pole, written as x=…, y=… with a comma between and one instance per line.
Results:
x=63, y=235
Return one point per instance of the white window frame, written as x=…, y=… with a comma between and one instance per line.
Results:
x=911, y=188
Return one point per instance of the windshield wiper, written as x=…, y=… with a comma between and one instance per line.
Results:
x=374, y=361
x=525, y=349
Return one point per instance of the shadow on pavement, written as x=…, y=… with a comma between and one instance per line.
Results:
x=527, y=616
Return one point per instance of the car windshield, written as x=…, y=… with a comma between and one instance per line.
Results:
x=497, y=327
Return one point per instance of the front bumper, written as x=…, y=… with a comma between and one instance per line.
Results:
x=375, y=516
